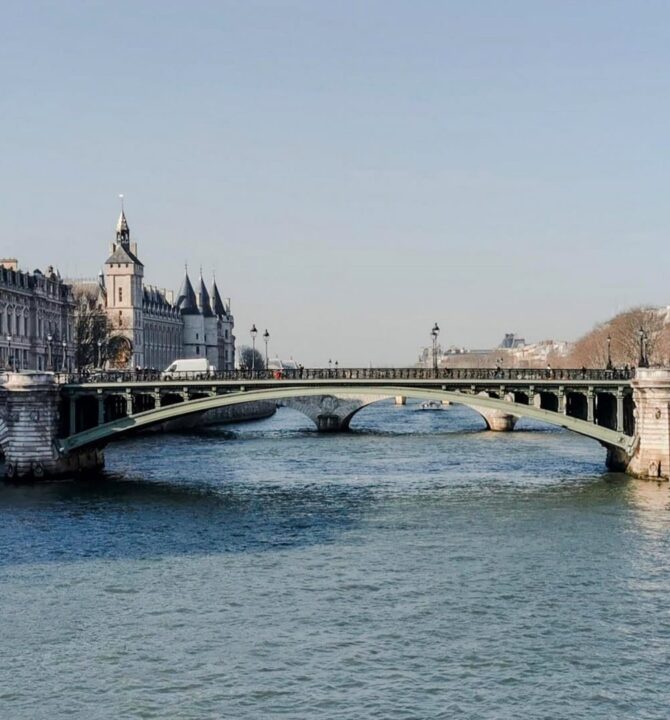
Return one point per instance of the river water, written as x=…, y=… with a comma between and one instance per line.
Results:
x=415, y=568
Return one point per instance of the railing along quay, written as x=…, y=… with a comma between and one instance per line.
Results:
x=475, y=374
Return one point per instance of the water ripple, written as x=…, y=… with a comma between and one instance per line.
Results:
x=416, y=568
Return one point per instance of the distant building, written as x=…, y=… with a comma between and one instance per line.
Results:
x=36, y=319
x=151, y=329
x=539, y=354
x=512, y=352
x=511, y=341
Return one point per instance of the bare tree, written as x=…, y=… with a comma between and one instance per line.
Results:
x=251, y=358
x=92, y=328
x=625, y=331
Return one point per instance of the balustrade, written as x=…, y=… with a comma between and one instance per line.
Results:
x=390, y=374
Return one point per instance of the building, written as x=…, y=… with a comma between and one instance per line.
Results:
x=36, y=319
x=511, y=341
x=149, y=328
x=512, y=352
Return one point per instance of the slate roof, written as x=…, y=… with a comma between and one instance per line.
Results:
x=203, y=300
x=186, y=302
x=217, y=303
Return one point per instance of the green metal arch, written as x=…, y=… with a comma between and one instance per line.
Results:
x=103, y=434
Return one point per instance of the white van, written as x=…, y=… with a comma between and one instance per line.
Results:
x=188, y=369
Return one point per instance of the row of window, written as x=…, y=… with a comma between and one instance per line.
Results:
x=19, y=326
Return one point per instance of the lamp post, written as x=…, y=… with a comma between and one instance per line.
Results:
x=609, y=353
x=337, y=367
x=253, y=332
x=50, y=338
x=9, y=352
x=642, y=362
x=99, y=343
x=434, y=333
x=266, y=337
x=64, y=343
x=330, y=367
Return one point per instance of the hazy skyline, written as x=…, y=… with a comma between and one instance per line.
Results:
x=353, y=172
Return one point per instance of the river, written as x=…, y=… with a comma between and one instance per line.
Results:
x=416, y=567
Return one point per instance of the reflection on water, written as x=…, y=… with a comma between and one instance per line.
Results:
x=416, y=567
x=649, y=495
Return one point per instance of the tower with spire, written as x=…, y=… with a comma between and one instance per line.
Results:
x=123, y=279
x=159, y=329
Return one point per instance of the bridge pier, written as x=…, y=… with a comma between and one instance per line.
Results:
x=496, y=420
x=29, y=427
x=331, y=423
x=651, y=394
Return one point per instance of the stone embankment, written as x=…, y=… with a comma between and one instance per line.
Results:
x=220, y=416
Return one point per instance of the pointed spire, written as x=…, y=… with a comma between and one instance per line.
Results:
x=203, y=299
x=122, y=229
x=217, y=303
x=186, y=302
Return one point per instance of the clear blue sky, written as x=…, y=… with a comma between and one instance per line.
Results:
x=353, y=171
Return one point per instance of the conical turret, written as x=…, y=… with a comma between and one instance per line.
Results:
x=203, y=300
x=186, y=302
x=217, y=303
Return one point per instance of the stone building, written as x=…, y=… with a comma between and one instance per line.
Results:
x=156, y=329
x=36, y=319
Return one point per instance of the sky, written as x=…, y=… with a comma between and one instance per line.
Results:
x=352, y=171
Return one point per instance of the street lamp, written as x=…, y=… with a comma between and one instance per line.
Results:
x=50, y=338
x=253, y=333
x=64, y=343
x=646, y=349
x=330, y=366
x=99, y=355
x=609, y=353
x=266, y=337
x=9, y=352
x=643, y=350
x=434, y=333
x=337, y=367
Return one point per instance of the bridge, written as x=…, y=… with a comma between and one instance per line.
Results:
x=51, y=425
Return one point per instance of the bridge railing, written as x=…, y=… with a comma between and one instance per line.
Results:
x=474, y=374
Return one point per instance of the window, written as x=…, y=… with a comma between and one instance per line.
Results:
x=120, y=294
x=197, y=349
